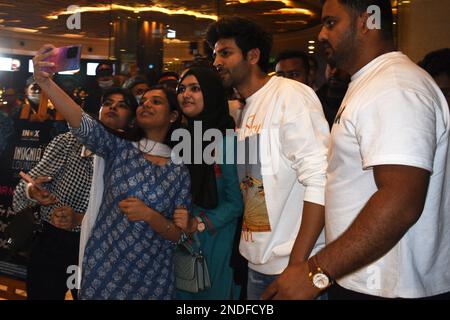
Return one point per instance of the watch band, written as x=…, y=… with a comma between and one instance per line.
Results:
x=315, y=271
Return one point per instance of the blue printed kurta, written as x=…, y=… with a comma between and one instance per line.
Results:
x=125, y=259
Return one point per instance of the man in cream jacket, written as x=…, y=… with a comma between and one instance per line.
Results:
x=282, y=144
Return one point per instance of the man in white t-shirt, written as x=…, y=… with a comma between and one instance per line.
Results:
x=282, y=148
x=387, y=205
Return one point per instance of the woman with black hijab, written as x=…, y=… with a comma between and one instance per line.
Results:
x=215, y=187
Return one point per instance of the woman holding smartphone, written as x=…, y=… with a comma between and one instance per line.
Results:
x=129, y=252
x=60, y=184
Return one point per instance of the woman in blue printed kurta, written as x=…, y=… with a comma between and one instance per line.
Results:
x=129, y=253
x=128, y=259
x=215, y=187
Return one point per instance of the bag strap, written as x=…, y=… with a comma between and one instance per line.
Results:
x=187, y=244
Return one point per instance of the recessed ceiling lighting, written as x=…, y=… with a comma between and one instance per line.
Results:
x=103, y=8
x=72, y=35
x=290, y=11
x=21, y=29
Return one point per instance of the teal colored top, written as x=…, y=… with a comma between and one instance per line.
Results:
x=217, y=240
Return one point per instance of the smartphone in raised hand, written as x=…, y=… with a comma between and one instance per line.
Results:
x=65, y=59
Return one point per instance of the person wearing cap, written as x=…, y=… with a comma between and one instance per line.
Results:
x=169, y=79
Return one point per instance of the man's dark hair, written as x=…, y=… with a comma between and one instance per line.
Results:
x=247, y=35
x=437, y=62
x=360, y=6
x=294, y=54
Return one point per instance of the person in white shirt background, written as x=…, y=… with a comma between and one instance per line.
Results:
x=387, y=217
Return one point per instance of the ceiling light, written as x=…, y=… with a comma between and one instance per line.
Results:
x=21, y=29
x=72, y=35
x=103, y=8
x=290, y=11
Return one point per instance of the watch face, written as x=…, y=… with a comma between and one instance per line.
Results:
x=320, y=280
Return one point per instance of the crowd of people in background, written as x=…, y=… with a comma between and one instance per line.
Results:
x=351, y=174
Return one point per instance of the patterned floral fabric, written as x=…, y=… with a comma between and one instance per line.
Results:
x=125, y=259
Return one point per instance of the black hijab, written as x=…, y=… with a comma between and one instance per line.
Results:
x=215, y=115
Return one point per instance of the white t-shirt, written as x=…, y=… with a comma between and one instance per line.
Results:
x=292, y=143
x=393, y=113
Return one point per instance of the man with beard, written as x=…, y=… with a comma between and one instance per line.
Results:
x=387, y=218
x=285, y=138
x=333, y=91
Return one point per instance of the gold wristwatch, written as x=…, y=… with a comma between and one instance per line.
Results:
x=320, y=278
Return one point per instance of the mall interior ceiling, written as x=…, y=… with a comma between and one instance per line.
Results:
x=188, y=17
